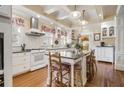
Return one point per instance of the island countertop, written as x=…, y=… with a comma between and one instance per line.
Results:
x=105, y=46
x=71, y=54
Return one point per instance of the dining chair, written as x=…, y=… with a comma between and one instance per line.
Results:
x=58, y=71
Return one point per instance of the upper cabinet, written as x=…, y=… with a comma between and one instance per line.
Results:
x=5, y=11
x=108, y=29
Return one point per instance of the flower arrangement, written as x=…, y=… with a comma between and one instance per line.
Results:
x=78, y=46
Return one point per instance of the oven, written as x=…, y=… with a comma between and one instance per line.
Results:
x=1, y=59
x=37, y=59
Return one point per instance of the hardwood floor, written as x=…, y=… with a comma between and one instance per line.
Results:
x=31, y=79
x=106, y=76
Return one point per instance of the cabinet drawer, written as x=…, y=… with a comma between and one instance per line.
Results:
x=21, y=54
x=20, y=68
x=18, y=61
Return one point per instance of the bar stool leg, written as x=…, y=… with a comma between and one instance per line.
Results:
x=50, y=78
x=69, y=75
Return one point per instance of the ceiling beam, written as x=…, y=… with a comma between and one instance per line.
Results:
x=49, y=9
x=66, y=14
x=63, y=15
x=99, y=12
x=31, y=10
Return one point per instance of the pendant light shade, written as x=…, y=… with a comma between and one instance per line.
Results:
x=84, y=22
x=76, y=14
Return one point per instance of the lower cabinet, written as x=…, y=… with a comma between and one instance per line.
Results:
x=105, y=54
x=21, y=63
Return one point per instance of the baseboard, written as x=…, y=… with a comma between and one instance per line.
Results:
x=37, y=67
x=119, y=67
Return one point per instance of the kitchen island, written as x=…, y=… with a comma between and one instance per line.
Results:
x=71, y=58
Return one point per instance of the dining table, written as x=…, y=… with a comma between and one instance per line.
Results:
x=71, y=58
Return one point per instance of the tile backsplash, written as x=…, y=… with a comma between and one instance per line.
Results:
x=109, y=41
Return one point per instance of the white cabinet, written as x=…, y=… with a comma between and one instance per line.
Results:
x=108, y=29
x=21, y=62
x=5, y=10
x=105, y=54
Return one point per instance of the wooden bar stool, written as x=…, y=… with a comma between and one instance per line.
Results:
x=78, y=74
x=58, y=71
x=93, y=61
x=91, y=66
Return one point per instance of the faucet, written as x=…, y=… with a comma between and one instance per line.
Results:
x=23, y=46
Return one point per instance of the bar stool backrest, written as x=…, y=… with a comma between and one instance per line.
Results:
x=55, y=64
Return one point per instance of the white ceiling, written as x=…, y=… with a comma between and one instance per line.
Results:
x=61, y=13
x=92, y=12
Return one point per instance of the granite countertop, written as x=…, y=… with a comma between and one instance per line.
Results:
x=22, y=51
x=105, y=46
x=71, y=54
x=28, y=50
x=56, y=48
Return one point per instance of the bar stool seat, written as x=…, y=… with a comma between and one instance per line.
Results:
x=64, y=67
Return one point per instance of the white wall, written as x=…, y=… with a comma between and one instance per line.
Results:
x=30, y=41
x=5, y=27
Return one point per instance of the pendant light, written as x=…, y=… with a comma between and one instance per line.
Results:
x=84, y=22
x=75, y=14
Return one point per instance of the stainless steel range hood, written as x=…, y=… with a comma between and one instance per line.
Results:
x=34, y=31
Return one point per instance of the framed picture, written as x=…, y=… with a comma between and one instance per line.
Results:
x=111, y=31
x=97, y=37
